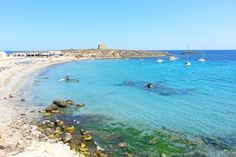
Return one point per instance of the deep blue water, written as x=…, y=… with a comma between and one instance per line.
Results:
x=198, y=100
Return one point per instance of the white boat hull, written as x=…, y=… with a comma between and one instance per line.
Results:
x=172, y=58
x=159, y=61
x=201, y=60
x=187, y=64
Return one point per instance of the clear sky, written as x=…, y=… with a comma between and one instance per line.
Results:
x=125, y=24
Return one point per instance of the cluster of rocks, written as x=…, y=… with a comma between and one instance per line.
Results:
x=57, y=106
x=58, y=130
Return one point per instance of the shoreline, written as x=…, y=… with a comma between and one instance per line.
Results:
x=16, y=112
x=18, y=136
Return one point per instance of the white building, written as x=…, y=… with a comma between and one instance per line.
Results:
x=56, y=53
x=38, y=54
x=3, y=55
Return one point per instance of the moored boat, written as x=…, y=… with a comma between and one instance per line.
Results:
x=172, y=58
x=201, y=60
x=159, y=60
x=187, y=64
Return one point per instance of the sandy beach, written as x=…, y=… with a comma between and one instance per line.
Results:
x=18, y=135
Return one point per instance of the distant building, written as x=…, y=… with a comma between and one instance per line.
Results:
x=3, y=55
x=101, y=46
x=56, y=53
x=38, y=54
x=18, y=54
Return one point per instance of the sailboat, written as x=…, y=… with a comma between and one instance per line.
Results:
x=202, y=59
x=159, y=60
x=172, y=58
x=188, y=63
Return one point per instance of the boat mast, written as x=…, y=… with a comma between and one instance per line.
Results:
x=188, y=53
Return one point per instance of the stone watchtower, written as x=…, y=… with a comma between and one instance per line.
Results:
x=101, y=46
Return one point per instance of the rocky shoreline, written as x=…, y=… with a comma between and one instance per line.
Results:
x=56, y=131
x=81, y=141
x=59, y=123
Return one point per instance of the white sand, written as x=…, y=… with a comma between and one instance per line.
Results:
x=17, y=136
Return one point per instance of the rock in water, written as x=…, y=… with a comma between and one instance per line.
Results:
x=80, y=105
x=67, y=137
x=51, y=108
x=60, y=103
x=122, y=145
x=69, y=102
x=152, y=142
x=163, y=155
x=70, y=129
x=151, y=85
x=59, y=122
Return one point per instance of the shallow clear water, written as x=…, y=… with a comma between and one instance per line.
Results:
x=199, y=100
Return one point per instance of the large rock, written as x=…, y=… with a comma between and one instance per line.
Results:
x=51, y=108
x=60, y=103
x=67, y=137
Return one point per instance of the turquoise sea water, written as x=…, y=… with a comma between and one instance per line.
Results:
x=198, y=100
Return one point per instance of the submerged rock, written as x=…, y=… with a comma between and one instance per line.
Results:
x=163, y=155
x=152, y=142
x=122, y=145
x=80, y=105
x=86, y=135
x=69, y=102
x=100, y=153
x=216, y=143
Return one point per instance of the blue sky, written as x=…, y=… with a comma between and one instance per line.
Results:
x=124, y=24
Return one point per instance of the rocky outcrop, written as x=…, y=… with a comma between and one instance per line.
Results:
x=113, y=53
x=60, y=103
x=51, y=108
